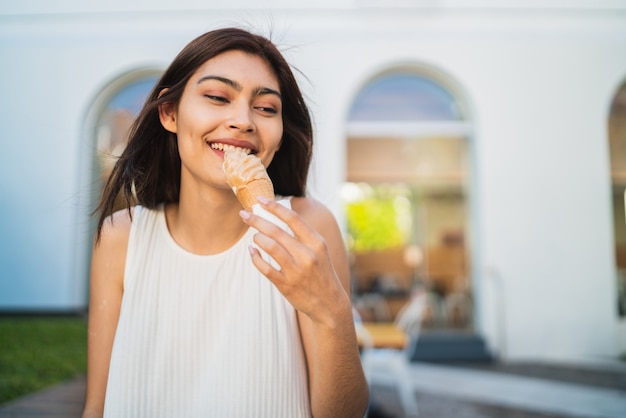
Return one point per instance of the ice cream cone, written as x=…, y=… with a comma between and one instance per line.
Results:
x=247, y=195
x=247, y=176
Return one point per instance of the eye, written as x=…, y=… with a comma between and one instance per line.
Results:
x=265, y=109
x=219, y=99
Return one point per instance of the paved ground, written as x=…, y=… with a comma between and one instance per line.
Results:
x=511, y=390
x=442, y=391
x=61, y=401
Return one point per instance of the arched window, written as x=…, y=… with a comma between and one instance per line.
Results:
x=406, y=195
x=404, y=97
x=617, y=146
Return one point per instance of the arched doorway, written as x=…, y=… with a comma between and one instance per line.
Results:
x=125, y=99
x=617, y=149
x=407, y=198
x=107, y=122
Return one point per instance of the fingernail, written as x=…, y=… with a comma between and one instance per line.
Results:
x=245, y=215
x=263, y=200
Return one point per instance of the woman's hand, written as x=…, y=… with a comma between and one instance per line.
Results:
x=311, y=271
x=304, y=273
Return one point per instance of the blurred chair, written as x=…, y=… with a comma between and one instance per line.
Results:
x=385, y=346
x=376, y=305
x=436, y=314
x=458, y=309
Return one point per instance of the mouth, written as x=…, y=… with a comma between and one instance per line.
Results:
x=218, y=146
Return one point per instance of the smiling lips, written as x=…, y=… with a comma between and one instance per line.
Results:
x=222, y=147
x=246, y=175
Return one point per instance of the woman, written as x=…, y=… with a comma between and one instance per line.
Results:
x=187, y=318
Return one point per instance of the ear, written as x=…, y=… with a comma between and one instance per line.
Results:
x=167, y=115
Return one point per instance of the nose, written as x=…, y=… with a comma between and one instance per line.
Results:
x=241, y=118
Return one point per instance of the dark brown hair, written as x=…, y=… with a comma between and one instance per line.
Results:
x=148, y=171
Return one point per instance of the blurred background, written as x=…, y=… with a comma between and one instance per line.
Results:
x=474, y=151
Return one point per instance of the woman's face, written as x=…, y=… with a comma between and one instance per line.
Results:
x=232, y=99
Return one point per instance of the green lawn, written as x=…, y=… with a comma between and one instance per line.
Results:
x=38, y=352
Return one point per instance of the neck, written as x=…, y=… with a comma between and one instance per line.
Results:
x=206, y=223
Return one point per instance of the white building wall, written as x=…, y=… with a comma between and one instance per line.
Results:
x=538, y=84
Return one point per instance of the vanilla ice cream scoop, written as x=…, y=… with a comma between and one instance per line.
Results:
x=247, y=176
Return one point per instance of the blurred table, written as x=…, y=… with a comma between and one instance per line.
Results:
x=383, y=335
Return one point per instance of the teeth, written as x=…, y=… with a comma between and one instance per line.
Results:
x=223, y=147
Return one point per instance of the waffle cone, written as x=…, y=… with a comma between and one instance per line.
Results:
x=247, y=195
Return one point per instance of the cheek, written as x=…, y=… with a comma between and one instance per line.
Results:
x=191, y=130
x=196, y=117
x=185, y=150
x=272, y=141
x=279, y=136
x=277, y=133
x=270, y=130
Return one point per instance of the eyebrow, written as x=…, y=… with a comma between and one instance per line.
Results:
x=257, y=91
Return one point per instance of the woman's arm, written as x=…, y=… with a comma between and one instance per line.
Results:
x=338, y=386
x=314, y=277
x=106, y=289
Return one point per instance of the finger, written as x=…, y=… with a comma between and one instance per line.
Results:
x=307, y=243
x=297, y=225
x=284, y=247
x=265, y=226
x=264, y=266
x=279, y=253
x=274, y=232
x=274, y=275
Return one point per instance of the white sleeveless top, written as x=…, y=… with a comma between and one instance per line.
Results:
x=202, y=336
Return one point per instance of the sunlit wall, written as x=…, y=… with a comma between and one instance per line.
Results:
x=538, y=82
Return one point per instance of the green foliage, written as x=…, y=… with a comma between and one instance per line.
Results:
x=372, y=224
x=39, y=352
x=379, y=218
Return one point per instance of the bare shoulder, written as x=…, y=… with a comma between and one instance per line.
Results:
x=322, y=220
x=109, y=252
x=116, y=228
x=314, y=213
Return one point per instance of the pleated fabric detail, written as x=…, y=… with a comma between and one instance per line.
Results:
x=202, y=336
